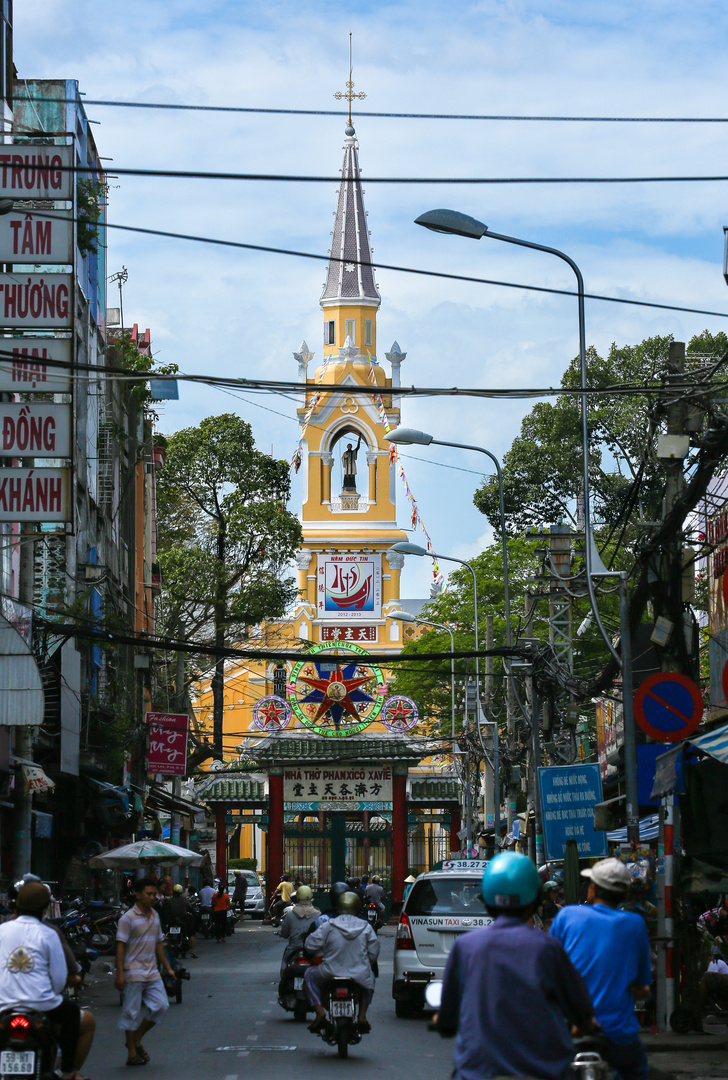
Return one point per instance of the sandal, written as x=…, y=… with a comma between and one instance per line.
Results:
x=135, y=1061
x=364, y=1027
x=141, y=1053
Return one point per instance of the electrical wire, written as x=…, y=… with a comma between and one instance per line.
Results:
x=342, y=114
x=411, y=270
x=300, y=178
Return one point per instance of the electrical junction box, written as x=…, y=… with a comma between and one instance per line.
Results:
x=662, y=631
x=673, y=447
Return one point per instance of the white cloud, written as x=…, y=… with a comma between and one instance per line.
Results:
x=243, y=313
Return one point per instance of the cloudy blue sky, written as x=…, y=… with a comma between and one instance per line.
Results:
x=240, y=313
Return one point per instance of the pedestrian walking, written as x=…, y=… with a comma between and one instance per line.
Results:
x=220, y=905
x=611, y=951
x=240, y=892
x=139, y=952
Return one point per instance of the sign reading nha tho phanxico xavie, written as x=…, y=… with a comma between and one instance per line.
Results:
x=356, y=787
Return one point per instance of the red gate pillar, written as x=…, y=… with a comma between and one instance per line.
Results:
x=455, y=827
x=399, y=836
x=220, y=845
x=275, y=832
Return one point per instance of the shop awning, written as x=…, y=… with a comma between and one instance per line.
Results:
x=648, y=830
x=668, y=767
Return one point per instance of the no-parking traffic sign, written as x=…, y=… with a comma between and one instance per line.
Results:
x=668, y=706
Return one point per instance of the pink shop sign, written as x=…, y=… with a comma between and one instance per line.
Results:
x=167, y=733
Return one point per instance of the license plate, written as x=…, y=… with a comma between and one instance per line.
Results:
x=17, y=1062
x=298, y=984
x=175, y=929
x=342, y=1008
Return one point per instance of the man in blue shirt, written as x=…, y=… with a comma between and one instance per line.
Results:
x=510, y=991
x=610, y=948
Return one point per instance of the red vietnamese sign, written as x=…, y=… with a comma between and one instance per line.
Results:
x=167, y=743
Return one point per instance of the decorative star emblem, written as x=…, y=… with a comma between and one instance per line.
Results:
x=350, y=267
x=335, y=691
x=271, y=713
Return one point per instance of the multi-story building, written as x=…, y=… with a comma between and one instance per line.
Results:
x=96, y=568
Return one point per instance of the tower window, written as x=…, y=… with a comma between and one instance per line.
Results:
x=330, y=332
x=367, y=331
x=350, y=330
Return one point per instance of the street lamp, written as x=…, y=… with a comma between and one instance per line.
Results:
x=405, y=617
x=458, y=224
x=412, y=437
x=406, y=548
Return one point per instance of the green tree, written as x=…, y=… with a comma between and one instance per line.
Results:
x=429, y=684
x=542, y=470
x=225, y=538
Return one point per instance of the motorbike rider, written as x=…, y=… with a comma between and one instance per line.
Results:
x=349, y=949
x=499, y=974
x=34, y=971
x=296, y=923
x=282, y=896
x=178, y=912
x=375, y=893
x=611, y=950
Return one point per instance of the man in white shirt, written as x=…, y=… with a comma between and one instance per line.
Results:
x=206, y=894
x=33, y=972
x=714, y=983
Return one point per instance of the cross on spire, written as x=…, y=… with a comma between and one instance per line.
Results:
x=348, y=94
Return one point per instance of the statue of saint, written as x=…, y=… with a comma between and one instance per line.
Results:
x=348, y=460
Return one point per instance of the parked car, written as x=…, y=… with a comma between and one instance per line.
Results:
x=440, y=905
x=254, y=900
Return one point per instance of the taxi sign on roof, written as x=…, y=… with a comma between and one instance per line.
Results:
x=463, y=864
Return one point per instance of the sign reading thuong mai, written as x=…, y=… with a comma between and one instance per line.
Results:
x=367, y=782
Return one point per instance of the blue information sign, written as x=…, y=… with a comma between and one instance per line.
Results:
x=568, y=796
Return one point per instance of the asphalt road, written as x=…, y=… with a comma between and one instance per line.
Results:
x=230, y=1026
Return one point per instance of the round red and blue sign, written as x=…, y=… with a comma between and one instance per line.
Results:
x=668, y=706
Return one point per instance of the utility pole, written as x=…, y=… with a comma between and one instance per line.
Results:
x=672, y=659
x=538, y=855
x=22, y=843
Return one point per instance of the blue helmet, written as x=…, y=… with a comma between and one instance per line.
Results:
x=510, y=882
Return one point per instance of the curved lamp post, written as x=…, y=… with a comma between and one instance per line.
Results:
x=455, y=223
x=405, y=617
x=406, y=548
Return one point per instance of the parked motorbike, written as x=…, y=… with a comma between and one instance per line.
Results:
x=103, y=919
x=205, y=923
x=340, y=1000
x=291, y=995
x=28, y=1045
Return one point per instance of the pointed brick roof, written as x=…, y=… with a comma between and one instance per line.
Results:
x=346, y=279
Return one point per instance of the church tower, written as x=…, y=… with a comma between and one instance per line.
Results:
x=348, y=578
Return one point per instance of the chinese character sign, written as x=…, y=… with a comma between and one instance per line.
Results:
x=167, y=743
x=348, y=786
x=348, y=633
x=349, y=586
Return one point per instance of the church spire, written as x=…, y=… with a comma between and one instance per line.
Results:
x=347, y=280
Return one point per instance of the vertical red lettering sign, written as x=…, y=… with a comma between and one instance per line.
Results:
x=167, y=743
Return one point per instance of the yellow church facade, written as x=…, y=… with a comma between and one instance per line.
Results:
x=348, y=574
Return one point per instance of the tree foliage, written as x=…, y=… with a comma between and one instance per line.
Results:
x=225, y=536
x=542, y=471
